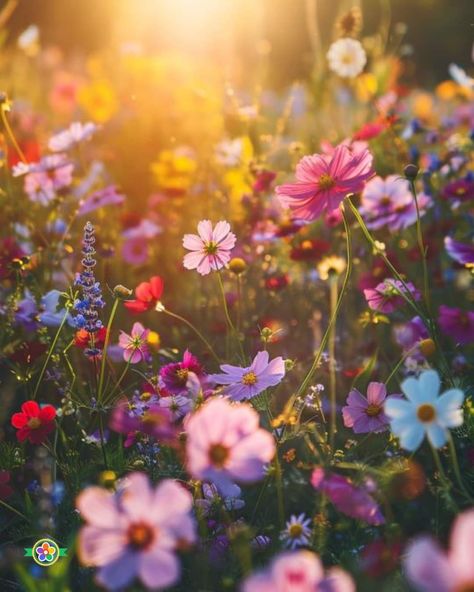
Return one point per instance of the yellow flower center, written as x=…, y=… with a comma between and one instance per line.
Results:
x=373, y=410
x=295, y=531
x=211, y=248
x=218, y=455
x=426, y=412
x=326, y=182
x=34, y=423
x=182, y=374
x=249, y=379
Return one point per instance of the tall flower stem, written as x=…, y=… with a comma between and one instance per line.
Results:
x=230, y=323
x=195, y=330
x=421, y=246
x=104, y=351
x=12, y=509
x=50, y=353
x=457, y=470
x=117, y=384
x=279, y=489
x=309, y=376
x=11, y=135
x=332, y=360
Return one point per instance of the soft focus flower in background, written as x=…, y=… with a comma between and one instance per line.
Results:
x=367, y=414
x=386, y=296
x=323, y=181
x=246, y=383
x=346, y=57
x=211, y=249
x=430, y=569
x=226, y=444
x=300, y=571
x=135, y=531
x=75, y=134
x=424, y=412
x=461, y=252
x=457, y=323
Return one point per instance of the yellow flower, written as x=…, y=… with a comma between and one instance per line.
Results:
x=366, y=86
x=99, y=101
x=330, y=266
x=154, y=340
x=174, y=170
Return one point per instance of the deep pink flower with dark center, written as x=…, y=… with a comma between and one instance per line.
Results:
x=263, y=181
x=457, y=323
x=324, y=180
x=347, y=497
x=365, y=414
x=461, y=189
x=463, y=253
x=385, y=297
x=175, y=375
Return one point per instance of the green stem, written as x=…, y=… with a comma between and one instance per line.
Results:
x=279, y=488
x=12, y=509
x=50, y=352
x=118, y=383
x=230, y=323
x=457, y=470
x=332, y=362
x=421, y=246
x=102, y=439
x=12, y=136
x=196, y=330
x=104, y=351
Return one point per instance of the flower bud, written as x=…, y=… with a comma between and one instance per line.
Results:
x=122, y=292
x=411, y=172
x=108, y=478
x=237, y=265
x=427, y=347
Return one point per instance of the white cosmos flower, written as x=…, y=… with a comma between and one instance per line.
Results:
x=424, y=412
x=346, y=57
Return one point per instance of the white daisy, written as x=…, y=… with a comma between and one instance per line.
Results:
x=346, y=57
x=424, y=413
x=297, y=532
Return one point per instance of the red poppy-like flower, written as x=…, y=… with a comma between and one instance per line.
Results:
x=34, y=423
x=82, y=338
x=147, y=295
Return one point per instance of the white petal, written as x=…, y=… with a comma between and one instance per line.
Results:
x=436, y=435
x=398, y=408
x=412, y=437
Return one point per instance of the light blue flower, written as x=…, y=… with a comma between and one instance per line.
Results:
x=424, y=412
x=51, y=317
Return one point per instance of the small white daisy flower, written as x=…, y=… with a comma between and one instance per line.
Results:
x=424, y=412
x=297, y=532
x=346, y=57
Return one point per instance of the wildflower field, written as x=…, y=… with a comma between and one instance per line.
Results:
x=236, y=319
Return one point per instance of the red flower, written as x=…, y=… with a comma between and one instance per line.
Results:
x=147, y=295
x=34, y=422
x=82, y=338
x=309, y=250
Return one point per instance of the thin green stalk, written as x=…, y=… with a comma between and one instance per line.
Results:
x=421, y=246
x=399, y=363
x=102, y=439
x=104, y=351
x=230, y=323
x=196, y=330
x=444, y=479
x=457, y=470
x=332, y=362
x=118, y=383
x=12, y=509
x=50, y=352
x=12, y=135
x=279, y=488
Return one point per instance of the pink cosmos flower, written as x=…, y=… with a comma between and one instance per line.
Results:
x=135, y=531
x=385, y=297
x=457, y=323
x=324, y=180
x=135, y=348
x=430, y=569
x=76, y=133
x=226, y=444
x=135, y=250
x=211, y=249
x=347, y=497
x=109, y=196
x=44, y=179
x=175, y=375
x=299, y=571
x=389, y=202
x=366, y=414
x=246, y=383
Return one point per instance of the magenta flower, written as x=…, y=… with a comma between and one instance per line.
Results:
x=135, y=250
x=365, y=415
x=461, y=252
x=457, y=323
x=156, y=422
x=299, y=571
x=347, y=497
x=246, y=383
x=324, y=180
x=175, y=375
x=211, y=249
x=389, y=202
x=135, y=348
x=226, y=444
x=135, y=531
x=385, y=297
x=430, y=569
x=460, y=189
